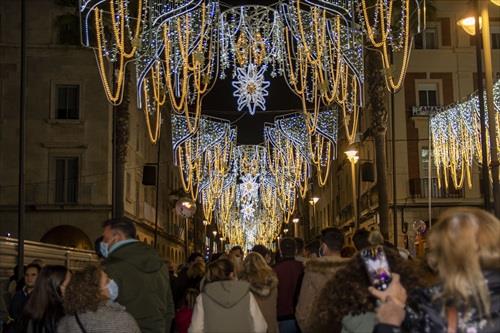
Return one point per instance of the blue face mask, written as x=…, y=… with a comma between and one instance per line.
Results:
x=104, y=249
x=113, y=290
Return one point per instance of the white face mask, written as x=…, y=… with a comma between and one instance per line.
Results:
x=113, y=290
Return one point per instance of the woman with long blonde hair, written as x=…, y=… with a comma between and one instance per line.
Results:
x=264, y=286
x=464, y=249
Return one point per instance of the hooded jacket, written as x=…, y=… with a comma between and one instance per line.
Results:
x=144, y=287
x=266, y=296
x=227, y=307
x=316, y=273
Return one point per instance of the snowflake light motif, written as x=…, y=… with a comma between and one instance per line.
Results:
x=247, y=211
x=249, y=186
x=251, y=88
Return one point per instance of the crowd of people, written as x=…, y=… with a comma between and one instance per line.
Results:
x=322, y=286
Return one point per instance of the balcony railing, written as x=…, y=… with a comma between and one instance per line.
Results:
x=425, y=111
x=419, y=188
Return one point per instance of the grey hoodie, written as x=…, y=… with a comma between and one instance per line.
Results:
x=227, y=307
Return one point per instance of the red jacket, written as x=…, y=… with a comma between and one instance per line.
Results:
x=289, y=272
x=183, y=319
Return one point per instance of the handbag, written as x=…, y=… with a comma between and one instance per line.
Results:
x=79, y=322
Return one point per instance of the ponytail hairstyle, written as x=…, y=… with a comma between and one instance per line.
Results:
x=464, y=242
x=219, y=270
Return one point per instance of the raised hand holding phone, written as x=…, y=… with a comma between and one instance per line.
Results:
x=377, y=267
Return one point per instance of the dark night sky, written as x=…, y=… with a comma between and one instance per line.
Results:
x=221, y=103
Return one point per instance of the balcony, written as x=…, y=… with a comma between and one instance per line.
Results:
x=419, y=189
x=425, y=111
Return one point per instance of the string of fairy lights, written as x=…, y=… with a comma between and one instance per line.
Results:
x=456, y=140
x=180, y=48
x=251, y=190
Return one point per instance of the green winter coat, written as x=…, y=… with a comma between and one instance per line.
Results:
x=144, y=287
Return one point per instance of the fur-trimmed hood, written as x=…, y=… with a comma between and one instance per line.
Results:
x=325, y=265
x=264, y=289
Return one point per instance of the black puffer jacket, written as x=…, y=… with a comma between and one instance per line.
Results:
x=426, y=313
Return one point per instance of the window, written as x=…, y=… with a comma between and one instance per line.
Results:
x=68, y=102
x=424, y=161
x=66, y=186
x=428, y=94
x=428, y=39
x=495, y=40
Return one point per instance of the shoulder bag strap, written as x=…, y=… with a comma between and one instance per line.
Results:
x=452, y=316
x=79, y=322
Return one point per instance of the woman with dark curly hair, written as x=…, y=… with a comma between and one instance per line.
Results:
x=88, y=303
x=346, y=305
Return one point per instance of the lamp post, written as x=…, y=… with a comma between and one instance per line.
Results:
x=295, y=222
x=205, y=223
x=222, y=244
x=215, y=239
x=471, y=26
x=352, y=156
x=313, y=201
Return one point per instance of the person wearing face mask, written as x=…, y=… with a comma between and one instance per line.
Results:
x=317, y=272
x=140, y=274
x=89, y=305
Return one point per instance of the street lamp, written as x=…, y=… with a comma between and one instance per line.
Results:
x=469, y=24
x=205, y=223
x=352, y=156
x=222, y=243
x=483, y=24
x=295, y=222
x=313, y=201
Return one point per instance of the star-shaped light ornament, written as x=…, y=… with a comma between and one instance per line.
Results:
x=251, y=88
x=247, y=211
x=249, y=186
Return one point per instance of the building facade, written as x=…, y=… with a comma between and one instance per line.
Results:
x=442, y=70
x=69, y=132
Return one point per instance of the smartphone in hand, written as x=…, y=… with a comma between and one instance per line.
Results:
x=377, y=267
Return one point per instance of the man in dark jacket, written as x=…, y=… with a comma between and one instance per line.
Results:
x=141, y=276
x=19, y=300
x=289, y=272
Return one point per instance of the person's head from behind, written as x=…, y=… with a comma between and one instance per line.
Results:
x=237, y=253
x=195, y=257
x=360, y=239
x=347, y=252
x=38, y=262
x=463, y=243
x=30, y=274
x=264, y=252
x=197, y=270
x=332, y=241
x=288, y=248
x=220, y=270
x=116, y=230
x=300, y=246
x=256, y=270
x=49, y=289
x=87, y=290
x=312, y=249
